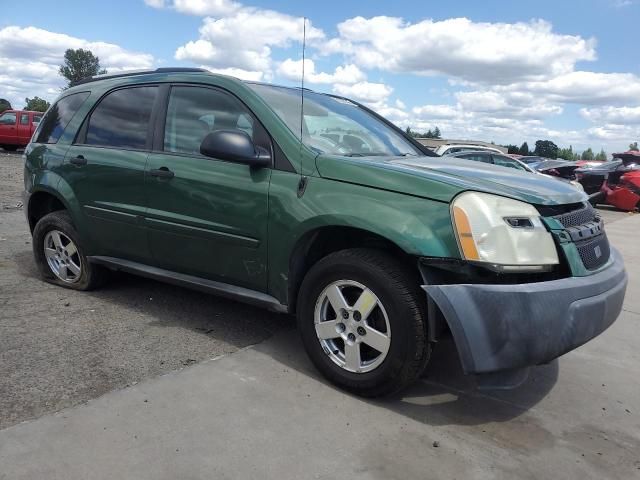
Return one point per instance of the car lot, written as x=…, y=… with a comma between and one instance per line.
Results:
x=264, y=408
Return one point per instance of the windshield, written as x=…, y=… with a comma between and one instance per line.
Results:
x=333, y=125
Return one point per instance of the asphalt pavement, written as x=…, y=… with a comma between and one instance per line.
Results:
x=142, y=380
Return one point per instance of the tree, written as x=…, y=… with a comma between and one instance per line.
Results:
x=566, y=153
x=79, y=64
x=524, y=149
x=546, y=149
x=436, y=133
x=587, y=154
x=4, y=105
x=512, y=149
x=36, y=104
x=634, y=146
x=602, y=156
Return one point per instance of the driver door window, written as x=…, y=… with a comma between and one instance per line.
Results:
x=194, y=112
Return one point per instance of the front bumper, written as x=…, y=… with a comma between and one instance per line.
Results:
x=506, y=328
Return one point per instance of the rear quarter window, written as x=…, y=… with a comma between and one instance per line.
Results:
x=58, y=117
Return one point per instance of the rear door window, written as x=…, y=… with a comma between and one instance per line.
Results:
x=58, y=117
x=24, y=119
x=122, y=118
x=477, y=157
x=507, y=162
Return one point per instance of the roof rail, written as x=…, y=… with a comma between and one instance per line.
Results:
x=131, y=73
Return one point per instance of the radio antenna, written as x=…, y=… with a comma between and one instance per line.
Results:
x=302, y=185
x=304, y=45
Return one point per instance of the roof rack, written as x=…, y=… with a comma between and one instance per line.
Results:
x=131, y=73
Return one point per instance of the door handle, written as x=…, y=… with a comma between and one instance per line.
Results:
x=79, y=161
x=162, y=172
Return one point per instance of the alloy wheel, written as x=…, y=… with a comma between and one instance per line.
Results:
x=352, y=326
x=62, y=256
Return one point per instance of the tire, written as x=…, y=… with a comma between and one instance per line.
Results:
x=399, y=305
x=59, y=225
x=10, y=148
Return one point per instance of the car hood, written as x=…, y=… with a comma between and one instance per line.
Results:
x=442, y=178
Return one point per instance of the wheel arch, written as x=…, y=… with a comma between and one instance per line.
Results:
x=319, y=242
x=43, y=201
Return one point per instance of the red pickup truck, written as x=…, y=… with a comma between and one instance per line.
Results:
x=16, y=128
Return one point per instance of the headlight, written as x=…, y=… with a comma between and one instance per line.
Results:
x=505, y=233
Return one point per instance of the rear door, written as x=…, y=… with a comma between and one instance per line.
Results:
x=24, y=128
x=207, y=217
x=105, y=169
x=8, y=128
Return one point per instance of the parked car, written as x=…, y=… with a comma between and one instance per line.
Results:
x=16, y=128
x=508, y=161
x=621, y=187
x=449, y=149
x=532, y=160
x=593, y=177
x=379, y=252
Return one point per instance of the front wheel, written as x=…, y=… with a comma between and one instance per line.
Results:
x=361, y=318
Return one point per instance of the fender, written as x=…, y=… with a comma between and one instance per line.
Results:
x=53, y=184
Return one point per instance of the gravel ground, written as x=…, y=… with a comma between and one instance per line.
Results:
x=60, y=348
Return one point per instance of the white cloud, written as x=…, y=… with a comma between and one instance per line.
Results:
x=30, y=58
x=367, y=92
x=436, y=111
x=496, y=53
x=587, y=88
x=239, y=73
x=243, y=37
x=612, y=115
x=198, y=7
x=344, y=74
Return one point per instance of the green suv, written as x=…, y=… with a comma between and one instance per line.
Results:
x=313, y=204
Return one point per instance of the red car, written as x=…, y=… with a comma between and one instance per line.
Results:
x=16, y=128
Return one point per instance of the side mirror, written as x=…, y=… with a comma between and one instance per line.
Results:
x=234, y=145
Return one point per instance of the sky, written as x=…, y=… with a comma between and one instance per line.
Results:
x=501, y=71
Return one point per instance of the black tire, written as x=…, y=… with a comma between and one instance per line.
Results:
x=91, y=276
x=398, y=289
x=10, y=148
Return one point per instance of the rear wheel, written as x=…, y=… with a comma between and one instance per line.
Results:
x=10, y=148
x=59, y=255
x=361, y=317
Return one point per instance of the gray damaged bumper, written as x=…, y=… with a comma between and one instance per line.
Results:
x=508, y=327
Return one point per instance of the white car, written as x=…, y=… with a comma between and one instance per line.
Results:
x=503, y=160
x=457, y=148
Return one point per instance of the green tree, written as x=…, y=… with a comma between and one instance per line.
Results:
x=634, y=146
x=36, y=104
x=512, y=149
x=524, y=149
x=80, y=64
x=436, y=133
x=587, y=154
x=4, y=105
x=602, y=156
x=566, y=153
x=546, y=149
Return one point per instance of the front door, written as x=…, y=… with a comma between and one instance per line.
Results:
x=8, y=128
x=105, y=169
x=207, y=217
